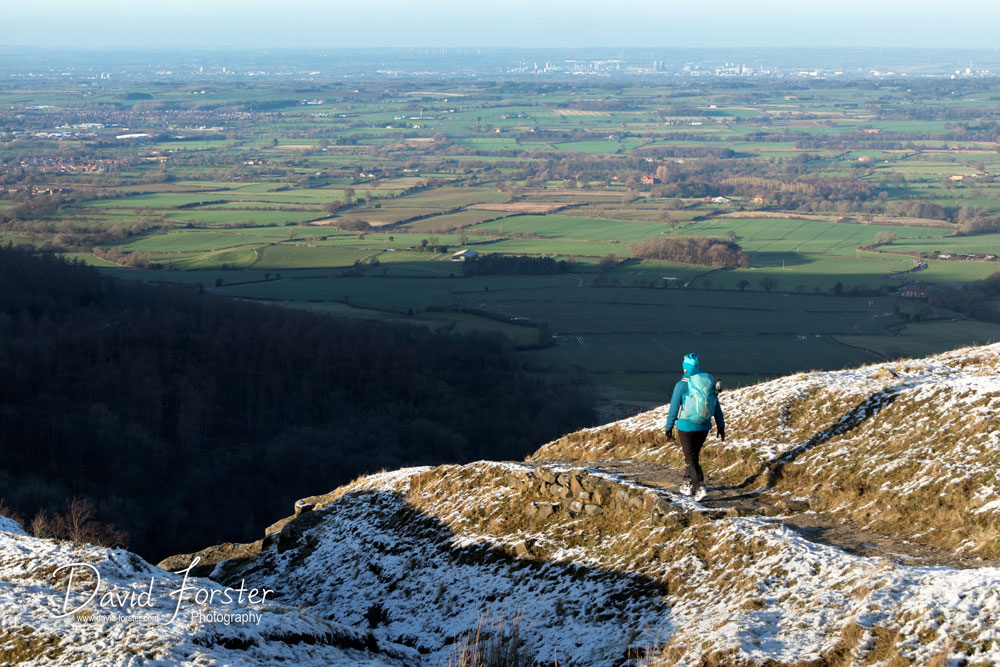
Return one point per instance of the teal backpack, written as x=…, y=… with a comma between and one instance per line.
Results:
x=699, y=401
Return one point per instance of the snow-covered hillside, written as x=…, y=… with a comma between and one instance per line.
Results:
x=432, y=550
x=46, y=619
x=910, y=447
x=594, y=563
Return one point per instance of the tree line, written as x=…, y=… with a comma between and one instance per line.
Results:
x=707, y=251
x=189, y=419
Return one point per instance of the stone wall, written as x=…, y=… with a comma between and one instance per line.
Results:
x=579, y=493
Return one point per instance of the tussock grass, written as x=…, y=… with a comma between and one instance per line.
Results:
x=476, y=498
x=906, y=448
x=496, y=641
x=25, y=644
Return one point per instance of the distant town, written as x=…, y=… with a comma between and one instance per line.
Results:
x=494, y=63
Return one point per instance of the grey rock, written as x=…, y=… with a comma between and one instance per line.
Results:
x=593, y=510
x=545, y=510
x=663, y=506
x=523, y=549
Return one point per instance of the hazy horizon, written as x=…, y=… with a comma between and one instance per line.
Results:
x=253, y=24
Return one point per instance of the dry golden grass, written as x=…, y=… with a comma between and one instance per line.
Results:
x=496, y=641
x=24, y=644
x=906, y=463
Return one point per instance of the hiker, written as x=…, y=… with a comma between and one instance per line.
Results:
x=692, y=406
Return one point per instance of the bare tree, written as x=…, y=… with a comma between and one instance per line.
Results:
x=768, y=283
x=73, y=525
x=41, y=525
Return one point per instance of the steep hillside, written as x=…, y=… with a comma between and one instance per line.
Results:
x=911, y=448
x=118, y=627
x=599, y=569
x=853, y=521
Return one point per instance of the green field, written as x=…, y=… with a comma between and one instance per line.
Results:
x=569, y=227
x=573, y=163
x=926, y=338
x=980, y=243
x=777, y=235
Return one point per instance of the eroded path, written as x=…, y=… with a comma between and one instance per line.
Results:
x=797, y=515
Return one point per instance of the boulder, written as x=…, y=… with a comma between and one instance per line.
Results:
x=663, y=506
x=789, y=505
x=545, y=510
x=672, y=518
x=593, y=510
x=546, y=475
x=649, y=501
x=523, y=549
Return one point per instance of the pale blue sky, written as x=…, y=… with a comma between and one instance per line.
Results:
x=516, y=23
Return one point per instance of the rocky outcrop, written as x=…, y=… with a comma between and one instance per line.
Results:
x=582, y=493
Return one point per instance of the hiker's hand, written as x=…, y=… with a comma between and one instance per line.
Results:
x=721, y=433
x=670, y=435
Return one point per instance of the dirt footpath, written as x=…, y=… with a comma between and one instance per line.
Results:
x=796, y=515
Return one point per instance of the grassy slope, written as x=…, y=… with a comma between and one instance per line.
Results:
x=658, y=574
x=908, y=447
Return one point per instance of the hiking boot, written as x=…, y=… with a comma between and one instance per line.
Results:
x=686, y=487
x=701, y=493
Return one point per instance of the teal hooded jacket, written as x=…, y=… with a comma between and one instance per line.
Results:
x=680, y=389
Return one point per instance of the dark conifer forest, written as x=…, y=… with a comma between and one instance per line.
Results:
x=189, y=419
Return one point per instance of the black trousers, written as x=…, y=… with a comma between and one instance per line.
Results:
x=691, y=443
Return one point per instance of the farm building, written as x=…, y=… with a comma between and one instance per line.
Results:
x=913, y=291
x=649, y=180
x=463, y=255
